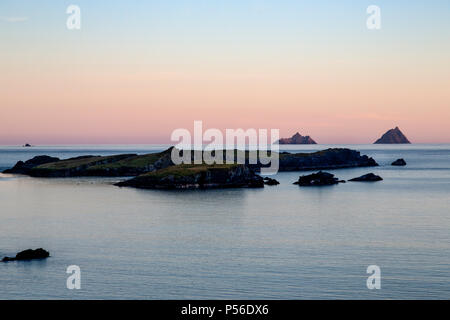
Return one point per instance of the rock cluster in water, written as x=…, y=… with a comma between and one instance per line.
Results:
x=270, y=181
x=318, y=179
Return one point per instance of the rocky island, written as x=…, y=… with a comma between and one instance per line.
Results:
x=28, y=254
x=318, y=179
x=270, y=181
x=370, y=177
x=399, y=162
x=197, y=177
x=157, y=171
x=297, y=139
x=333, y=158
x=392, y=136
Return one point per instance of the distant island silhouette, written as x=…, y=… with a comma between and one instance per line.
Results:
x=297, y=139
x=392, y=136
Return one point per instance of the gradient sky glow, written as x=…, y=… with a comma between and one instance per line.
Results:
x=137, y=70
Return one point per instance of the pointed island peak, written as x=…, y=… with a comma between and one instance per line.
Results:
x=392, y=136
x=297, y=139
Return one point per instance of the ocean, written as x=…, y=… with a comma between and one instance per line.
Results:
x=280, y=242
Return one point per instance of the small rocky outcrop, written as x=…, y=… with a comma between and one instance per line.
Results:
x=297, y=139
x=270, y=181
x=318, y=179
x=200, y=176
x=25, y=167
x=29, y=254
x=370, y=177
x=399, y=162
x=392, y=136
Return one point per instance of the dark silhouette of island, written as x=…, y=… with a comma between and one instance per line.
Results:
x=297, y=139
x=157, y=171
x=392, y=136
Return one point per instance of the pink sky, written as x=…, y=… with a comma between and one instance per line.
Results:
x=130, y=105
x=102, y=86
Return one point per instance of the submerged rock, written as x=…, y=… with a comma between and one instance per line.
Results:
x=25, y=167
x=392, y=136
x=270, y=181
x=200, y=176
x=29, y=254
x=317, y=179
x=399, y=162
x=370, y=177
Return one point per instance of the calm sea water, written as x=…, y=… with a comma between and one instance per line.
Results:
x=281, y=242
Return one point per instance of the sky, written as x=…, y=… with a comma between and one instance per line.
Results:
x=137, y=70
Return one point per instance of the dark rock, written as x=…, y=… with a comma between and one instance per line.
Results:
x=270, y=181
x=392, y=136
x=370, y=177
x=25, y=167
x=317, y=179
x=197, y=177
x=27, y=145
x=297, y=139
x=29, y=254
x=399, y=162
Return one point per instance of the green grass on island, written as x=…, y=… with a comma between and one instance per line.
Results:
x=184, y=170
x=132, y=162
x=73, y=163
x=105, y=162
